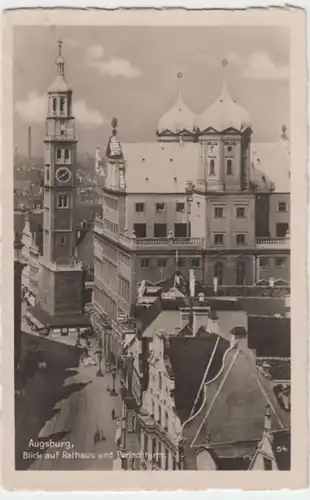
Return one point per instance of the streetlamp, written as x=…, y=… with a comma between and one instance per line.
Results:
x=113, y=392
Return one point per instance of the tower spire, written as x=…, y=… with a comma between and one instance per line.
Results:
x=224, y=92
x=179, y=77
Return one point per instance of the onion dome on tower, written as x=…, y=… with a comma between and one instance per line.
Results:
x=179, y=119
x=59, y=84
x=224, y=113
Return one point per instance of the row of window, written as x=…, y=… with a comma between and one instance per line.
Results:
x=162, y=262
x=62, y=155
x=181, y=230
x=124, y=289
x=106, y=272
x=264, y=262
x=159, y=454
x=219, y=212
x=111, y=226
x=218, y=239
x=110, y=202
x=229, y=167
x=107, y=304
x=161, y=207
x=123, y=257
x=62, y=105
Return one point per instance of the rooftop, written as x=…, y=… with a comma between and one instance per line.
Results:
x=281, y=447
x=235, y=404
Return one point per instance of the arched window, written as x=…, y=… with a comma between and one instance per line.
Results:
x=229, y=167
x=58, y=153
x=54, y=104
x=212, y=167
x=66, y=154
x=219, y=272
x=62, y=104
x=240, y=273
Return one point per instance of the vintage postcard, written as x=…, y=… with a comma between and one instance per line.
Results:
x=155, y=181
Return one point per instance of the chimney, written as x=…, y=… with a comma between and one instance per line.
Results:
x=239, y=337
x=29, y=143
x=192, y=282
x=201, y=313
x=185, y=316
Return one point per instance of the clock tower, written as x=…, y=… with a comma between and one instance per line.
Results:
x=61, y=275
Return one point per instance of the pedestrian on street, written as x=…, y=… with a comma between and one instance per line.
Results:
x=113, y=414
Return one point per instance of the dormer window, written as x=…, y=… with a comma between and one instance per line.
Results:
x=212, y=167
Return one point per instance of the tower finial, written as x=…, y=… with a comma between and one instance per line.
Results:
x=114, y=125
x=179, y=77
x=224, y=87
x=59, y=47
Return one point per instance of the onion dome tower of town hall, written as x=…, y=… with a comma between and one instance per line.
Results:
x=224, y=135
x=179, y=122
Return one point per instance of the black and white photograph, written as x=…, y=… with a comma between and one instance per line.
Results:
x=152, y=247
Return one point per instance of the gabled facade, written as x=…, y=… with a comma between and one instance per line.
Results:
x=273, y=452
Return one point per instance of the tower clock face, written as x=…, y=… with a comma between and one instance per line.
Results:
x=63, y=174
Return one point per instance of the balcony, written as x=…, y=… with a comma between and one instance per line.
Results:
x=61, y=137
x=273, y=243
x=72, y=266
x=148, y=243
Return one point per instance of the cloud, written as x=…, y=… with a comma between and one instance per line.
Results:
x=34, y=110
x=113, y=67
x=71, y=42
x=95, y=52
x=261, y=67
x=87, y=117
x=233, y=58
x=117, y=67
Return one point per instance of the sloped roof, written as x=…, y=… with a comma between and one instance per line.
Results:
x=270, y=160
x=269, y=336
x=236, y=401
x=148, y=163
x=261, y=306
x=189, y=358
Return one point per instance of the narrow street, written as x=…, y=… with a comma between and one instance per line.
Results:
x=69, y=405
x=77, y=419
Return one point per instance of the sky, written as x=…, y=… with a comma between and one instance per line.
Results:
x=130, y=73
